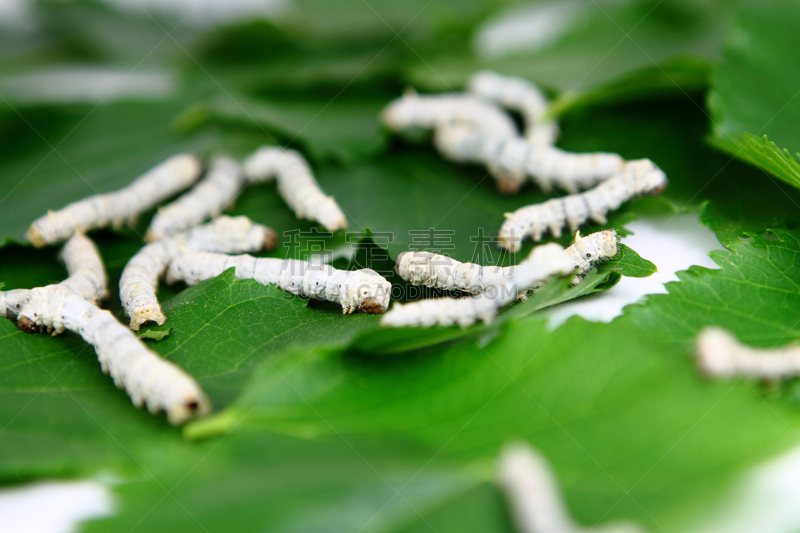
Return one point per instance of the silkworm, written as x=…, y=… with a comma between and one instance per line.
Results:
x=11, y=302
x=517, y=159
x=472, y=130
x=85, y=271
x=207, y=199
x=87, y=276
x=296, y=185
x=636, y=179
x=442, y=272
x=355, y=290
x=139, y=280
x=118, y=207
x=543, y=262
x=148, y=379
x=535, y=499
x=413, y=111
x=720, y=355
x=442, y=112
x=517, y=94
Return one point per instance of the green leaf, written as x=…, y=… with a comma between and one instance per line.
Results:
x=629, y=263
x=756, y=294
x=754, y=91
x=344, y=128
x=763, y=153
x=641, y=429
x=260, y=482
x=96, y=150
x=605, y=43
x=686, y=74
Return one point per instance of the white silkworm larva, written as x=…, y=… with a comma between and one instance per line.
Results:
x=146, y=377
x=517, y=94
x=535, y=499
x=355, y=290
x=115, y=208
x=11, y=302
x=87, y=276
x=139, y=280
x=543, y=262
x=207, y=199
x=516, y=159
x=442, y=272
x=721, y=355
x=296, y=184
x=442, y=112
x=636, y=179
x=413, y=111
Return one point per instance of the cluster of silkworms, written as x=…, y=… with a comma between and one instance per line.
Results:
x=472, y=127
x=543, y=262
x=184, y=250
x=70, y=305
x=443, y=272
x=534, y=498
x=492, y=287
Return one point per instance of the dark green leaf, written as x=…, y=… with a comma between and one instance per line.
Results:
x=629, y=263
x=754, y=90
x=606, y=42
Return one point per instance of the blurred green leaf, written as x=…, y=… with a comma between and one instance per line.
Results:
x=345, y=128
x=754, y=91
x=601, y=42
x=641, y=432
x=55, y=156
x=259, y=482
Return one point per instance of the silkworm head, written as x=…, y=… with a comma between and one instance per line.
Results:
x=374, y=293
x=648, y=178
x=596, y=247
x=27, y=325
x=270, y=239
x=399, y=263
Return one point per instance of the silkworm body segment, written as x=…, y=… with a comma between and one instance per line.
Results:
x=429, y=112
x=139, y=280
x=518, y=159
x=87, y=276
x=356, y=291
x=119, y=207
x=720, y=355
x=543, y=262
x=636, y=179
x=296, y=185
x=517, y=94
x=535, y=499
x=207, y=199
x=442, y=272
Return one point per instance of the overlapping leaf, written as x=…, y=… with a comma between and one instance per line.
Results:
x=599, y=43
x=755, y=89
x=619, y=408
